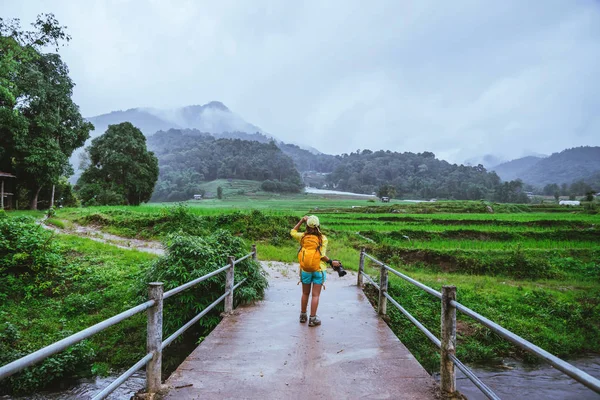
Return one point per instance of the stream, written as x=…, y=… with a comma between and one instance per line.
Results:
x=522, y=381
x=540, y=382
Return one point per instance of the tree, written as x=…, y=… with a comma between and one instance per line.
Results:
x=550, y=189
x=386, y=191
x=580, y=188
x=220, y=193
x=121, y=170
x=40, y=126
x=55, y=125
x=589, y=196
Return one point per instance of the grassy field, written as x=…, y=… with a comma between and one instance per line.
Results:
x=535, y=269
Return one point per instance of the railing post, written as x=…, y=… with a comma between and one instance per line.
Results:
x=229, y=284
x=383, y=287
x=154, y=337
x=361, y=268
x=254, y=255
x=447, y=372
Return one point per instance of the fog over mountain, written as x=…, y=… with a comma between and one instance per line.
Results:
x=213, y=117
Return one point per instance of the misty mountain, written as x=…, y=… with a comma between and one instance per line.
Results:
x=214, y=118
x=564, y=167
x=515, y=169
x=187, y=158
x=487, y=160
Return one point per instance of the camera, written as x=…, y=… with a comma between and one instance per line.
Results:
x=340, y=269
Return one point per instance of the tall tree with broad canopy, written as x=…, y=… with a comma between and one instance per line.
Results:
x=40, y=126
x=121, y=170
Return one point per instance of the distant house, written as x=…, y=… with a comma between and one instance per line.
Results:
x=5, y=197
x=385, y=199
x=569, y=203
x=197, y=197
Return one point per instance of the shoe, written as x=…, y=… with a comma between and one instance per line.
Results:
x=303, y=317
x=314, y=321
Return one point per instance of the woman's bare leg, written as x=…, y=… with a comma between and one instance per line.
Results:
x=305, y=294
x=314, y=303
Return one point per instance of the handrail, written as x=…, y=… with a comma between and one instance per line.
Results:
x=43, y=353
x=154, y=303
x=194, y=282
x=568, y=369
x=563, y=366
x=121, y=379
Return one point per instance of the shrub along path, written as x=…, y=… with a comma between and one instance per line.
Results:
x=263, y=352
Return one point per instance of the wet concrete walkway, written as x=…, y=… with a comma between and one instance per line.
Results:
x=263, y=352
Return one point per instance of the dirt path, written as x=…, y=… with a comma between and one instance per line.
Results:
x=94, y=233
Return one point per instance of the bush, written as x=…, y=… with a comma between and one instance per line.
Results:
x=190, y=257
x=26, y=248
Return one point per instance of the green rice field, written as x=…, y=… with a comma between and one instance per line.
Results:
x=535, y=269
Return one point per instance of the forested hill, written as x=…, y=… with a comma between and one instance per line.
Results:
x=418, y=175
x=188, y=158
x=514, y=169
x=565, y=167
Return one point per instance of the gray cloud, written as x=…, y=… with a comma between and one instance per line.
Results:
x=458, y=78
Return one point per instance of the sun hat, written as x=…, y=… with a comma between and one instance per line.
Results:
x=312, y=221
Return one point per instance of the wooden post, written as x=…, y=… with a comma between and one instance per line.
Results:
x=447, y=372
x=383, y=287
x=361, y=268
x=154, y=337
x=254, y=255
x=52, y=197
x=229, y=284
x=2, y=195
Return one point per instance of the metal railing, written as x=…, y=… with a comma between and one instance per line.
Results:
x=154, y=342
x=447, y=344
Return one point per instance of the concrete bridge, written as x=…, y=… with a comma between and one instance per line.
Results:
x=262, y=351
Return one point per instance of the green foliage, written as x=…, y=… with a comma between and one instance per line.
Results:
x=220, y=193
x=70, y=362
x=26, y=249
x=40, y=126
x=77, y=283
x=279, y=187
x=418, y=175
x=386, y=191
x=187, y=158
x=190, y=257
x=122, y=171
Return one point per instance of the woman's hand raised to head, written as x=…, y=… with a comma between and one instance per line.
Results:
x=305, y=218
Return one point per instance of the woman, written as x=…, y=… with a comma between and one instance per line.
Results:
x=312, y=281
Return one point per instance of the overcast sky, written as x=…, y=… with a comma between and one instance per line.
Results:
x=459, y=78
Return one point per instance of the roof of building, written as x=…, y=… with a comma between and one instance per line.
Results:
x=6, y=175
